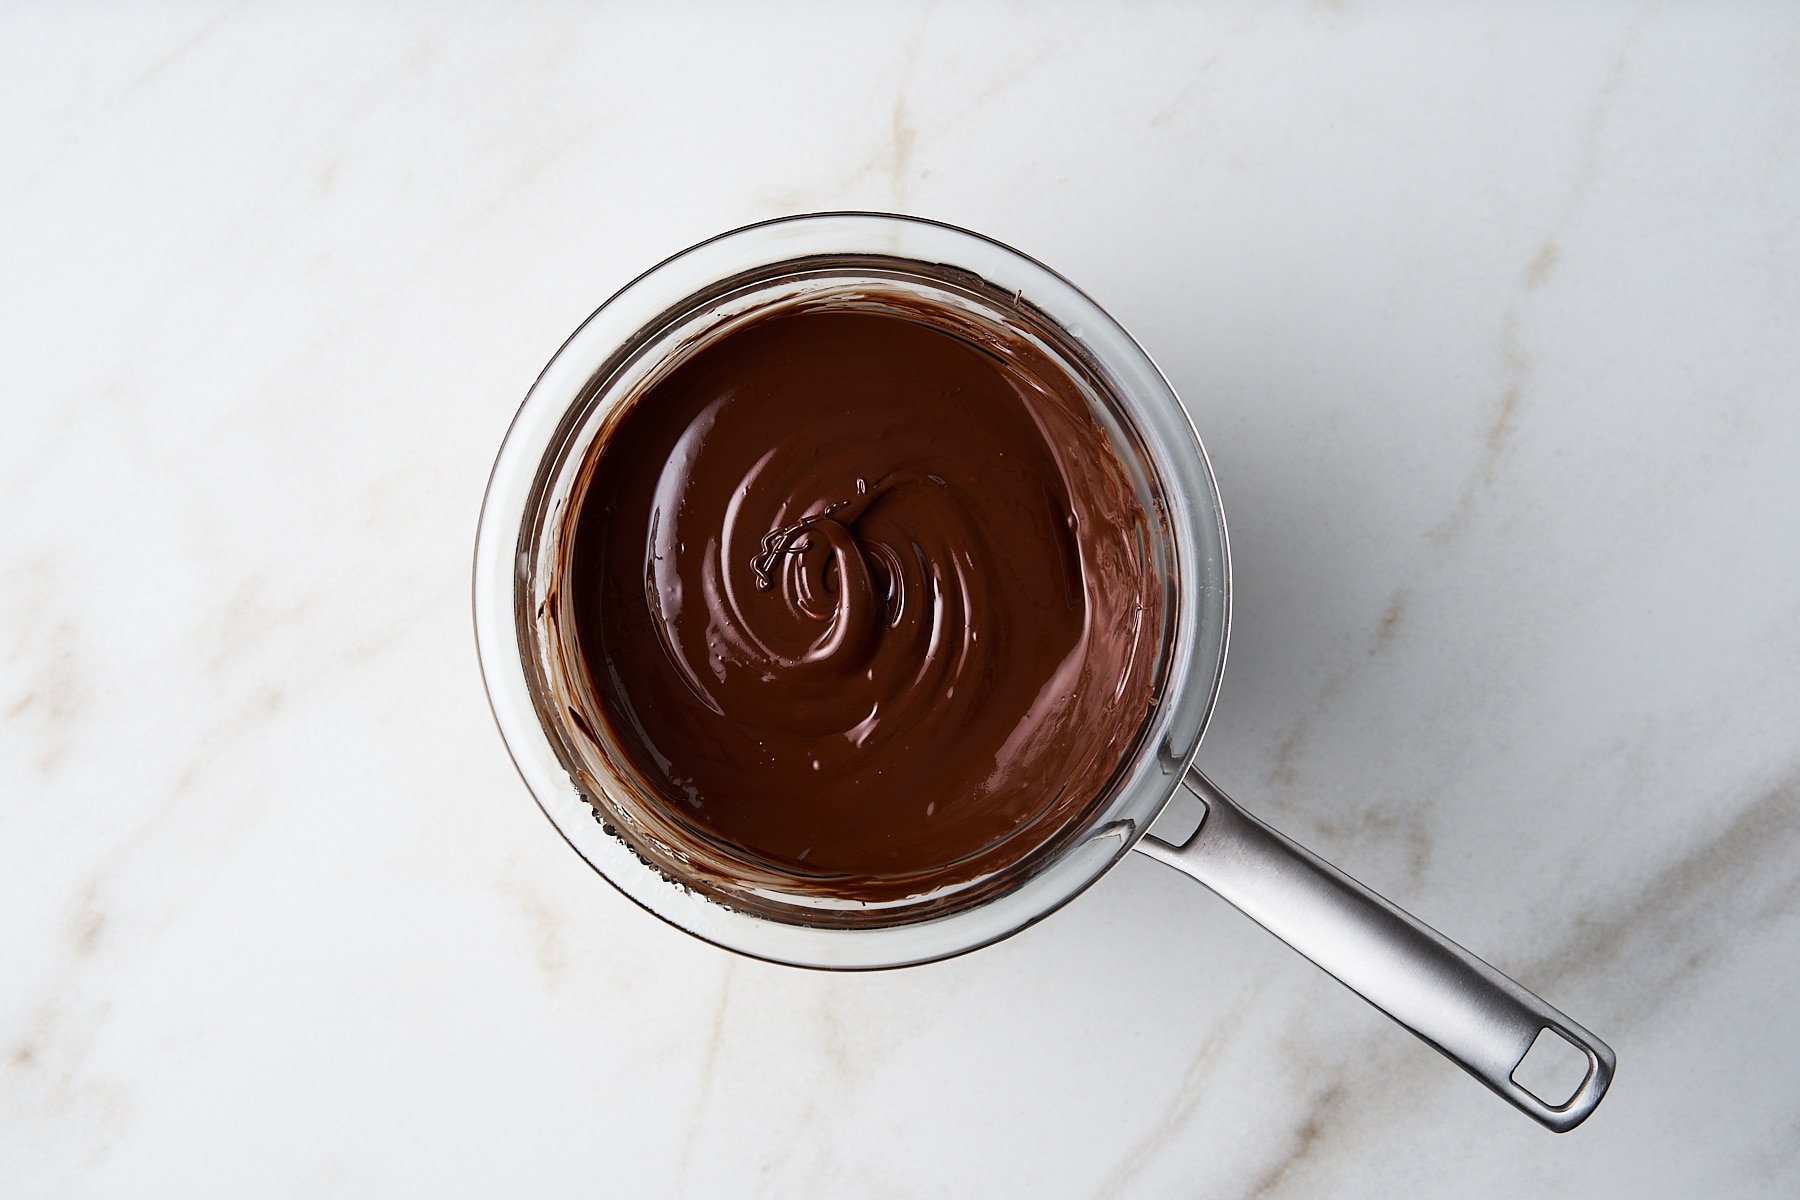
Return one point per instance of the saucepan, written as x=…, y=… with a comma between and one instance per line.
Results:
x=1479, y=1018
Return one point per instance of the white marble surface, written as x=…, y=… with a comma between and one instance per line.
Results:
x=1491, y=320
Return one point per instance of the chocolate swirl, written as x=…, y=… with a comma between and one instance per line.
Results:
x=862, y=601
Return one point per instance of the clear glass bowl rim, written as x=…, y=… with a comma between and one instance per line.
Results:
x=1193, y=521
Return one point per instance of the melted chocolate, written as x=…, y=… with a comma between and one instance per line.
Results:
x=862, y=602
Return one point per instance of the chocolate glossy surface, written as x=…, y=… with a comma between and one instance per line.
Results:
x=862, y=602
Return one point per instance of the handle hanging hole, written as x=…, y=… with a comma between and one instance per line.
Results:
x=1553, y=1069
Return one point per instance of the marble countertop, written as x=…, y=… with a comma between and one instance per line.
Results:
x=1490, y=319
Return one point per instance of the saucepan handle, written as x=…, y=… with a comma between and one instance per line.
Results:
x=1461, y=1006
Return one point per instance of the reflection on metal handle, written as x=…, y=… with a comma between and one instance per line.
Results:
x=1468, y=1011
